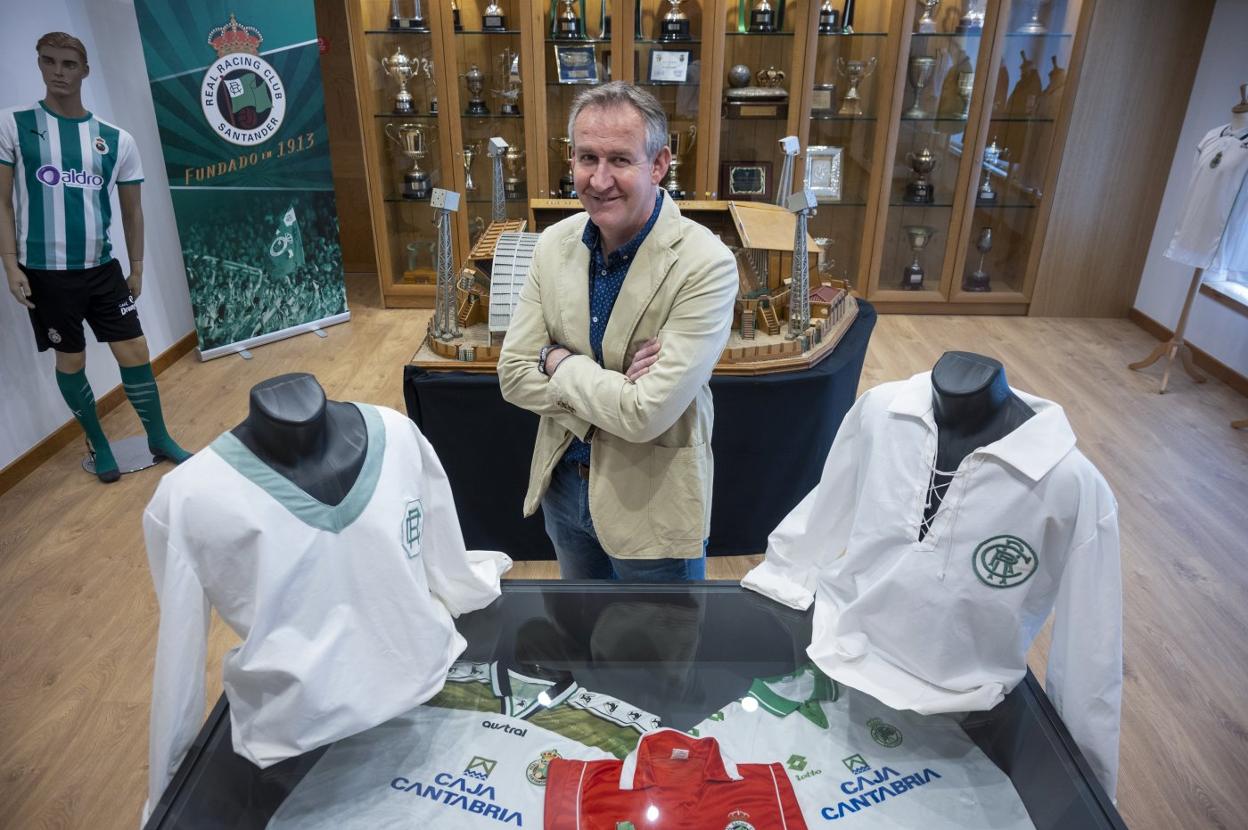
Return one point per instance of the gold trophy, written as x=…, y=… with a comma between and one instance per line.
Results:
x=513, y=182
x=966, y=85
x=474, y=79
x=568, y=24
x=978, y=280
x=567, y=182
x=681, y=142
x=410, y=139
x=763, y=17
x=927, y=23
x=471, y=151
x=400, y=67
x=675, y=24
x=857, y=72
x=493, y=19
x=912, y=275
x=921, y=68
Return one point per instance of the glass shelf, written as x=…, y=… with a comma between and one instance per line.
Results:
x=404, y=115
x=487, y=32
x=1039, y=34
x=651, y=41
x=489, y=116
x=573, y=41
x=395, y=32
x=760, y=34
x=952, y=118
x=946, y=35
x=856, y=34
x=940, y=205
x=842, y=118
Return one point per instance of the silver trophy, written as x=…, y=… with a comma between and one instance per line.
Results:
x=856, y=71
x=471, y=151
x=675, y=24
x=493, y=19
x=921, y=69
x=1033, y=26
x=993, y=154
x=400, y=67
x=681, y=142
x=567, y=22
x=474, y=79
x=927, y=23
x=966, y=85
x=973, y=14
x=410, y=139
x=978, y=281
x=919, y=190
x=763, y=17
x=567, y=182
x=508, y=65
x=912, y=275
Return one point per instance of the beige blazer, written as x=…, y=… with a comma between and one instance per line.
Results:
x=651, y=467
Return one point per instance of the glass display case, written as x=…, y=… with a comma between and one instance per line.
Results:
x=681, y=656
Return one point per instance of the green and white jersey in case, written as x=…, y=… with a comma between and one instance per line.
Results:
x=854, y=761
x=64, y=172
x=565, y=708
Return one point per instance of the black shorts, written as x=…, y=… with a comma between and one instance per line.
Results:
x=63, y=299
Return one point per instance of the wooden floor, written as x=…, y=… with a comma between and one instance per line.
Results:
x=78, y=615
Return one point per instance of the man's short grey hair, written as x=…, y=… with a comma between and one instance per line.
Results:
x=622, y=93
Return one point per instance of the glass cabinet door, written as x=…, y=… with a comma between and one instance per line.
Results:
x=576, y=53
x=844, y=139
x=944, y=51
x=1016, y=150
x=403, y=140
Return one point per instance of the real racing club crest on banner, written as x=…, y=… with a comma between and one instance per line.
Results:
x=241, y=111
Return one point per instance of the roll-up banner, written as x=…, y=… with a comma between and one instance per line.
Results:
x=237, y=89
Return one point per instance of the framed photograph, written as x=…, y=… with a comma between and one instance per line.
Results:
x=576, y=64
x=670, y=66
x=823, y=100
x=823, y=172
x=748, y=181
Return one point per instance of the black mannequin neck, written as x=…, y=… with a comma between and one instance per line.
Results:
x=973, y=406
x=317, y=444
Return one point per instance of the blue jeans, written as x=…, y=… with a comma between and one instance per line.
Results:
x=571, y=531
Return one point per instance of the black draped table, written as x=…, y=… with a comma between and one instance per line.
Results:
x=772, y=434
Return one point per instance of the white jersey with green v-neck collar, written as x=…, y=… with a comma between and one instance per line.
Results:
x=856, y=762
x=345, y=611
x=64, y=172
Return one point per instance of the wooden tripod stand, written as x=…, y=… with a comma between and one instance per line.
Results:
x=1176, y=345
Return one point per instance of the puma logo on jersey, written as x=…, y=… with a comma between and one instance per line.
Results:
x=43, y=134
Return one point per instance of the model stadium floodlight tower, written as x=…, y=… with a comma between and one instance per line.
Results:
x=444, y=324
x=802, y=203
x=790, y=147
x=496, y=148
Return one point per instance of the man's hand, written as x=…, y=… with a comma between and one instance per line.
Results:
x=19, y=287
x=643, y=360
x=554, y=357
x=135, y=281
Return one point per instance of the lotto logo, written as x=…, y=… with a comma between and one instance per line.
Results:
x=53, y=177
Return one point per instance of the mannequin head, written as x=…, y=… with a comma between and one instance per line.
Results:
x=967, y=389
x=293, y=399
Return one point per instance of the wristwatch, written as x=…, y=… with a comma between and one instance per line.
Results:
x=542, y=354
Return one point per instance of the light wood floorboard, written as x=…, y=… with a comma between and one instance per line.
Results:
x=78, y=615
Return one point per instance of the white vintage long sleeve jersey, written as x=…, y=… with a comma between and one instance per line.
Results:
x=853, y=760
x=345, y=611
x=1028, y=526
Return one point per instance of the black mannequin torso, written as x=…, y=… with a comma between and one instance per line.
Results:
x=973, y=406
x=317, y=444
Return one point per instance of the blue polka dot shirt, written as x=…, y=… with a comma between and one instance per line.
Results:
x=605, y=281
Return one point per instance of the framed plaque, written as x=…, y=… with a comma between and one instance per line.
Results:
x=670, y=66
x=823, y=172
x=823, y=100
x=748, y=181
x=577, y=64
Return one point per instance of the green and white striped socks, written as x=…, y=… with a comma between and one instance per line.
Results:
x=140, y=386
x=76, y=391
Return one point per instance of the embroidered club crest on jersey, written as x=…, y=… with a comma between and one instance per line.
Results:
x=884, y=734
x=856, y=764
x=480, y=768
x=413, y=528
x=737, y=821
x=1217, y=159
x=1004, y=561
x=101, y=146
x=54, y=336
x=538, y=770
x=242, y=96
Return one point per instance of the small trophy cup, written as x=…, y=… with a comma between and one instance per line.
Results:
x=509, y=69
x=681, y=142
x=567, y=183
x=829, y=19
x=568, y=25
x=675, y=24
x=471, y=151
x=856, y=71
x=459, y=24
x=912, y=275
x=763, y=17
x=927, y=23
x=400, y=67
x=921, y=68
x=513, y=183
x=416, y=23
x=396, y=19
x=474, y=79
x=493, y=19
x=919, y=190
x=972, y=19
x=410, y=139
x=966, y=85
x=978, y=281
x=1033, y=26
x=426, y=66
x=993, y=154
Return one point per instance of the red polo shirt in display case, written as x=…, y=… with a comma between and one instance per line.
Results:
x=671, y=780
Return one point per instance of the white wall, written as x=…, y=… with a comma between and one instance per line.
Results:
x=1212, y=327
x=31, y=408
